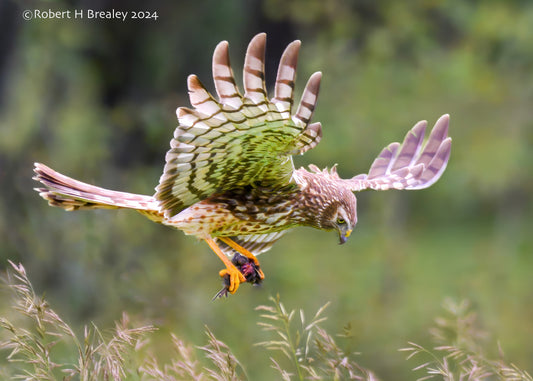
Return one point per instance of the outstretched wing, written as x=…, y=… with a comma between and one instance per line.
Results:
x=239, y=140
x=410, y=165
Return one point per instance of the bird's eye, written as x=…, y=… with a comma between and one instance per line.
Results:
x=341, y=221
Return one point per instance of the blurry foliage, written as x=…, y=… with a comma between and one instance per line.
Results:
x=309, y=351
x=96, y=100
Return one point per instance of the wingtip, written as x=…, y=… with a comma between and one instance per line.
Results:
x=447, y=143
x=259, y=37
x=439, y=132
x=193, y=81
x=220, y=55
x=290, y=54
x=296, y=44
x=313, y=83
x=317, y=74
x=257, y=44
x=419, y=128
x=222, y=44
x=445, y=120
x=39, y=168
x=180, y=112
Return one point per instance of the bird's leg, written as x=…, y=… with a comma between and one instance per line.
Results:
x=235, y=246
x=247, y=268
x=230, y=274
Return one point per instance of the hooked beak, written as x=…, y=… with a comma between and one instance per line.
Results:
x=343, y=237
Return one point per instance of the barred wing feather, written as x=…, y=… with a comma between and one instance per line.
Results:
x=237, y=140
x=410, y=165
x=254, y=243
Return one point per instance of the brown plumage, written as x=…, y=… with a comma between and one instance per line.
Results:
x=229, y=178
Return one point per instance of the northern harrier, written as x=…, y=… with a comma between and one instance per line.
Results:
x=229, y=177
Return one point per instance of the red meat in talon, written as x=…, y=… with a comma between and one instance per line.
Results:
x=247, y=267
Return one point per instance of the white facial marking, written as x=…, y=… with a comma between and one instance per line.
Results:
x=341, y=213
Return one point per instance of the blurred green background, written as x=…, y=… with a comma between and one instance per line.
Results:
x=96, y=100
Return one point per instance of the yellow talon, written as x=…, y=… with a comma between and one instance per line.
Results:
x=235, y=246
x=230, y=273
x=235, y=278
x=236, y=271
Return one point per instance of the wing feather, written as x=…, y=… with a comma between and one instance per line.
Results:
x=381, y=165
x=410, y=146
x=254, y=243
x=309, y=138
x=202, y=101
x=410, y=165
x=309, y=99
x=285, y=80
x=224, y=79
x=238, y=140
x=254, y=71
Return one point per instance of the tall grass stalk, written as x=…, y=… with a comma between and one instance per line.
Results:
x=313, y=353
x=458, y=354
x=32, y=343
x=39, y=345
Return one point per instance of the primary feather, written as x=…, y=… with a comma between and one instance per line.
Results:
x=240, y=140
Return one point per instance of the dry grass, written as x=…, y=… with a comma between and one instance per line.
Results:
x=299, y=349
x=186, y=366
x=311, y=351
x=32, y=350
x=458, y=354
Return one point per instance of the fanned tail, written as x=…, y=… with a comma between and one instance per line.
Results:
x=64, y=192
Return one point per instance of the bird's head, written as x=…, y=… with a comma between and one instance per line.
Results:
x=330, y=203
x=345, y=223
x=340, y=214
x=342, y=206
